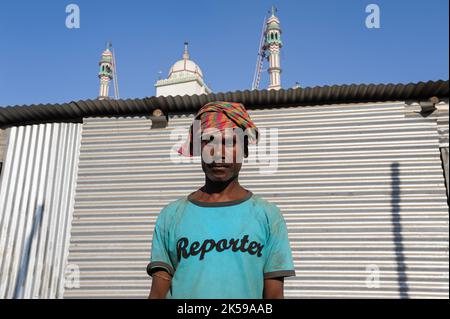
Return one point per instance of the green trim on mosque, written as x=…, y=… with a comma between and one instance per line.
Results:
x=276, y=40
x=273, y=26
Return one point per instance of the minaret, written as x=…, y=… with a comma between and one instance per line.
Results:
x=272, y=45
x=106, y=73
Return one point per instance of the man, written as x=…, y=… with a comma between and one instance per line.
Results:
x=221, y=241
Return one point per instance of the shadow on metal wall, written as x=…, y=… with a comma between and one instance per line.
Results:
x=25, y=258
x=402, y=277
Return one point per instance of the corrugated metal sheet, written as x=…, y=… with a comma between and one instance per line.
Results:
x=442, y=124
x=445, y=166
x=440, y=115
x=335, y=94
x=36, y=205
x=3, y=141
x=360, y=186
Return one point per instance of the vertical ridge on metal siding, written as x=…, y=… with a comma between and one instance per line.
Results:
x=32, y=259
x=360, y=186
x=442, y=124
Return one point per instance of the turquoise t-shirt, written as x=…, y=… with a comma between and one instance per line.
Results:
x=221, y=250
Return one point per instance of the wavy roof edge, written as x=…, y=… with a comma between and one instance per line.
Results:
x=319, y=95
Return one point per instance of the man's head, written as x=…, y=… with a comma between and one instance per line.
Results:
x=220, y=134
x=222, y=153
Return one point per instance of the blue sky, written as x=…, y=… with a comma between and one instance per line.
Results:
x=326, y=42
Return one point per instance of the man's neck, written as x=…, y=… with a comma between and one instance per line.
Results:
x=214, y=191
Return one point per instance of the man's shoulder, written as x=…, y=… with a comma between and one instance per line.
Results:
x=264, y=206
x=173, y=206
x=260, y=201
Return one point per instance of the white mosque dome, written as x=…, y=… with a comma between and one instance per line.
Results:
x=185, y=78
x=185, y=67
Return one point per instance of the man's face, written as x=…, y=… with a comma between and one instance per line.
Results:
x=222, y=154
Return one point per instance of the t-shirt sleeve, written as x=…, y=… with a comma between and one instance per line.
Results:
x=160, y=258
x=279, y=262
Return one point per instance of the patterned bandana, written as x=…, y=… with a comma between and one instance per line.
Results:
x=221, y=115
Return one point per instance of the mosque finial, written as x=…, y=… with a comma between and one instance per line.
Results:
x=186, y=51
x=273, y=10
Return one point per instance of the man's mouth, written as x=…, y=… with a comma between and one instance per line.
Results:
x=219, y=165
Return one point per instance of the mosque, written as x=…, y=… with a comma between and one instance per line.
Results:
x=185, y=76
x=361, y=178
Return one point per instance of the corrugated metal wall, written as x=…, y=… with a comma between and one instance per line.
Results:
x=442, y=122
x=360, y=186
x=3, y=141
x=36, y=204
x=441, y=116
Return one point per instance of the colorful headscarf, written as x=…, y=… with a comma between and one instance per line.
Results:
x=222, y=115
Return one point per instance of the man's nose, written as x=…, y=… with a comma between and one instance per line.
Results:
x=220, y=155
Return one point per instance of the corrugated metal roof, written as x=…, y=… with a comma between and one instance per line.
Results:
x=335, y=94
